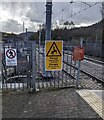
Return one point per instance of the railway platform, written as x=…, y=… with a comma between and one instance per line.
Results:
x=59, y=103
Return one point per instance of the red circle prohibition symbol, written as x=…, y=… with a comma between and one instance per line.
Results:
x=10, y=53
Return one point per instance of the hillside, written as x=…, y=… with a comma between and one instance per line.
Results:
x=23, y=35
x=9, y=36
x=16, y=37
x=91, y=33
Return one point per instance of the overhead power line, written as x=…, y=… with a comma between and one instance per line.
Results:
x=84, y=9
x=89, y=6
x=62, y=10
x=86, y=4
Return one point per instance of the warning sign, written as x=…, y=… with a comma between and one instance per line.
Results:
x=53, y=55
x=11, y=57
x=78, y=53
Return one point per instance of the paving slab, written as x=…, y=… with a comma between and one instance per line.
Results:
x=63, y=103
x=95, y=99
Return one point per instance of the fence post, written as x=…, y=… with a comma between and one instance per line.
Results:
x=4, y=68
x=33, y=80
x=79, y=64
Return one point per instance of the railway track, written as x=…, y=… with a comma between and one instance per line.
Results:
x=86, y=78
x=84, y=72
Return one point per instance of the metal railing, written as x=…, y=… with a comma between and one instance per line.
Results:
x=28, y=73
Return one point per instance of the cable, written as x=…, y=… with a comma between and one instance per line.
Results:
x=89, y=6
x=86, y=4
x=62, y=10
x=83, y=10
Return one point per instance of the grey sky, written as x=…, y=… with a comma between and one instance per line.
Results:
x=12, y=14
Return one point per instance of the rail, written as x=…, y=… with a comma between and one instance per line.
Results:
x=82, y=71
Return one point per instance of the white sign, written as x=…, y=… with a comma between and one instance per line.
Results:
x=11, y=57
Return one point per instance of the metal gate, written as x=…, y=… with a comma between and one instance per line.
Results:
x=30, y=70
x=54, y=79
x=70, y=76
x=20, y=76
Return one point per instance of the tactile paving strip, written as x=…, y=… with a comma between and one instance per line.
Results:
x=93, y=100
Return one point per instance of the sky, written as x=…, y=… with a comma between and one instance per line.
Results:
x=32, y=13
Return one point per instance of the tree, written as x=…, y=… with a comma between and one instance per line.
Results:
x=66, y=23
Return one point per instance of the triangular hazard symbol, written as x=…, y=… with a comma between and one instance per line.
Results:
x=53, y=51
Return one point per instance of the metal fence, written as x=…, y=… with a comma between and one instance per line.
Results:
x=68, y=77
x=52, y=79
x=93, y=49
x=17, y=77
x=30, y=70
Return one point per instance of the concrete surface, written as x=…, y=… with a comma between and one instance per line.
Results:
x=64, y=103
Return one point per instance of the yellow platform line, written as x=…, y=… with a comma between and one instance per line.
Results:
x=93, y=100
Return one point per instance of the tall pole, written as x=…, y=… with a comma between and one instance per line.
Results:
x=48, y=30
x=26, y=35
x=48, y=19
x=39, y=47
x=39, y=35
x=103, y=22
x=23, y=27
x=23, y=30
x=79, y=65
x=103, y=10
x=102, y=31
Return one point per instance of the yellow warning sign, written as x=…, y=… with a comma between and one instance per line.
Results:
x=53, y=55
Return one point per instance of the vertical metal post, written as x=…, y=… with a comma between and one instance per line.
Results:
x=28, y=71
x=67, y=67
x=48, y=19
x=39, y=36
x=1, y=81
x=79, y=64
x=23, y=27
x=81, y=42
x=102, y=10
x=33, y=81
x=38, y=54
x=102, y=31
x=39, y=47
x=78, y=74
x=23, y=30
x=5, y=67
x=71, y=62
x=48, y=27
x=26, y=35
x=15, y=67
x=63, y=68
